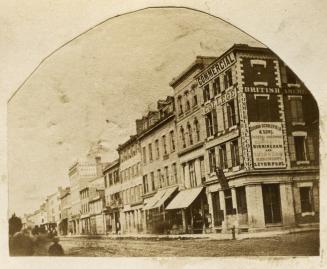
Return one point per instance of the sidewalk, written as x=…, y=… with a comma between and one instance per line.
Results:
x=211, y=236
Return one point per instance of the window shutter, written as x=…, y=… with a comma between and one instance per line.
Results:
x=214, y=119
x=225, y=116
x=310, y=148
x=291, y=147
x=220, y=118
x=229, y=155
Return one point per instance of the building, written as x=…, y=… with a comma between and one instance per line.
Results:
x=52, y=206
x=80, y=174
x=190, y=206
x=160, y=167
x=131, y=218
x=261, y=142
x=113, y=197
x=65, y=212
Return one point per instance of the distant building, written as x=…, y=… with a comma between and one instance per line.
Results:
x=65, y=211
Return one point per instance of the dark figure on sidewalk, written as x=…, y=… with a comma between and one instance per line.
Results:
x=21, y=244
x=56, y=249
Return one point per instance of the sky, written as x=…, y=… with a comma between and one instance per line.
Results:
x=89, y=90
x=92, y=89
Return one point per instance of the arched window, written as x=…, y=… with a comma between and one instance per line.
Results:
x=189, y=130
x=197, y=129
x=183, y=137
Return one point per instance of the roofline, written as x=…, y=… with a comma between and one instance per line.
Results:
x=127, y=143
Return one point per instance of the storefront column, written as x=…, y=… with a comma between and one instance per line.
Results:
x=210, y=204
x=287, y=204
x=234, y=201
x=223, y=207
x=203, y=218
x=184, y=220
x=256, y=217
x=187, y=176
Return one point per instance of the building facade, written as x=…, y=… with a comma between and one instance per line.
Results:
x=261, y=125
x=65, y=212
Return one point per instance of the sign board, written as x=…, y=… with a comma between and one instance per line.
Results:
x=267, y=145
x=265, y=90
x=216, y=68
x=227, y=96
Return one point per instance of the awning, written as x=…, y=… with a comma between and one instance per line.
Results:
x=184, y=198
x=159, y=198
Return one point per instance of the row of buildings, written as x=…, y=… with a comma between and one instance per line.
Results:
x=235, y=146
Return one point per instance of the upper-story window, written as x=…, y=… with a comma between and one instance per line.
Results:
x=183, y=137
x=197, y=129
x=262, y=108
x=180, y=105
x=216, y=86
x=150, y=152
x=211, y=123
x=296, y=108
x=206, y=93
x=228, y=79
x=195, y=100
x=174, y=173
x=172, y=141
x=144, y=155
x=212, y=159
x=145, y=184
x=231, y=114
x=157, y=149
x=187, y=102
x=300, y=148
x=189, y=130
x=164, y=144
x=153, y=186
x=223, y=157
x=235, y=153
x=192, y=174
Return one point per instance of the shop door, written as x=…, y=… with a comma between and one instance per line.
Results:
x=271, y=203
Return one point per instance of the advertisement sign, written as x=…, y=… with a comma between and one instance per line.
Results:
x=267, y=145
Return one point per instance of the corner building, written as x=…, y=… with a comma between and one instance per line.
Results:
x=261, y=144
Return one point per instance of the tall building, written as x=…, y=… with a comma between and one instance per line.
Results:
x=65, y=211
x=131, y=218
x=261, y=142
x=156, y=134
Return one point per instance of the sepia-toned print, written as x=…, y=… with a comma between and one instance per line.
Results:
x=163, y=132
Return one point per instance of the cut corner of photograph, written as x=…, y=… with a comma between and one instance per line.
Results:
x=163, y=132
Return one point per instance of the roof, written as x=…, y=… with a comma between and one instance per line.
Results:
x=184, y=198
x=111, y=165
x=132, y=139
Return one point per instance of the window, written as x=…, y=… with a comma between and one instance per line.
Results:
x=271, y=203
x=189, y=130
x=152, y=181
x=159, y=178
x=150, y=152
x=202, y=170
x=229, y=202
x=157, y=148
x=231, y=113
x=216, y=86
x=296, y=108
x=212, y=160
x=241, y=200
x=188, y=106
x=144, y=155
x=180, y=105
x=306, y=200
x=197, y=130
x=174, y=172
x=192, y=174
x=228, y=80
x=218, y=215
x=183, y=137
x=172, y=141
x=235, y=153
x=300, y=152
x=206, y=93
x=195, y=100
x=209, y=124
x=145, y=184
x=223, y=157
x=164, y=144
x=166, y=176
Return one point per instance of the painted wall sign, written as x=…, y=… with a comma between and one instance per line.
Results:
x=294, y=91
x=267, y=90
x=228, y=95
x=267, y=145
x=208, y=107
x=216, y=68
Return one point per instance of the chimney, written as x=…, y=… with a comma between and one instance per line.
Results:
x=98, y=166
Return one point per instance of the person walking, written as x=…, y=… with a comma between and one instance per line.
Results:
x=56, y=249
x=22, y=244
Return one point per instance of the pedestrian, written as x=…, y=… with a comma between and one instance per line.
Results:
x=22, y=244
x=56, y=249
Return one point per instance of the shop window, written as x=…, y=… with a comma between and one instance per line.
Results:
x=197, y=129
x=235, y=153
x=212, y=160
x=231, y=113
x=241, y=200
x=172, y=141
x=189, y=130
x=296, y=108
x=271, y=203
x=157, y=148
x=223, y=157
x=228, y=79
x=206, y=93
x=300, y=150
x=229, y=202
x=216, y=86
x=306, y=199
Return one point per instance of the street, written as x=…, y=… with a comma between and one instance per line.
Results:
x=296, y=244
